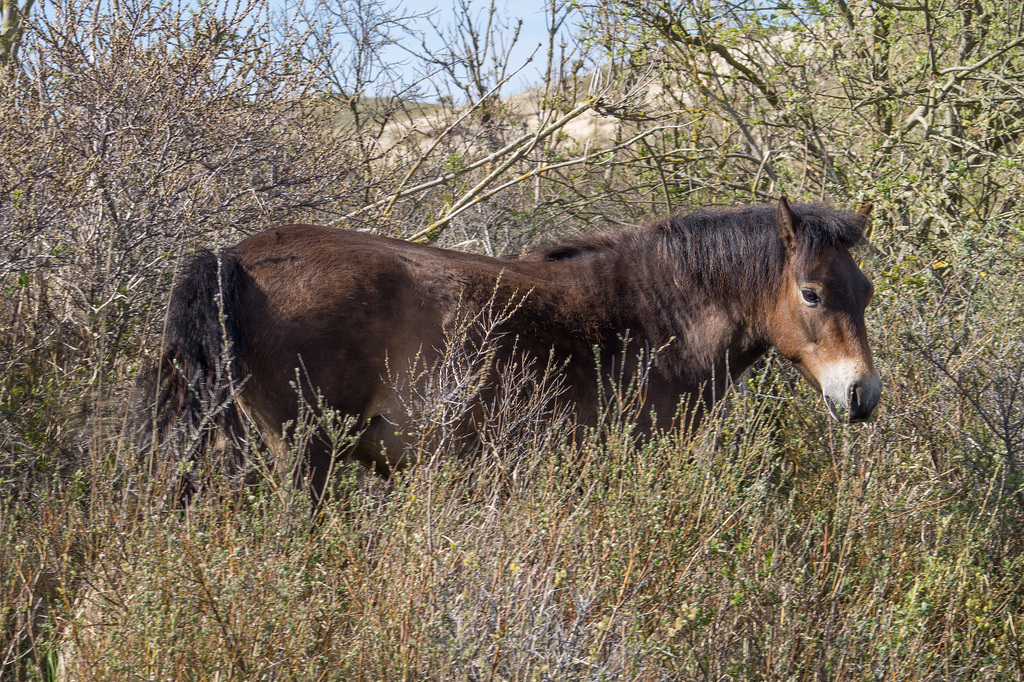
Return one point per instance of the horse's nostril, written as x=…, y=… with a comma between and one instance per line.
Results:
x=862, y=403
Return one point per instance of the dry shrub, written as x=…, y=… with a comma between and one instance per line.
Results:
x=740, y=554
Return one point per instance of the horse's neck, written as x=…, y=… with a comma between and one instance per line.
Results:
x=698, y=335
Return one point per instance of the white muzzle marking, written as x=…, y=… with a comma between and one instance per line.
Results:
x=840, y=379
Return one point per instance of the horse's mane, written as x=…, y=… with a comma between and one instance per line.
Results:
x=821, y=224
x=722, y=248
x=578, y=246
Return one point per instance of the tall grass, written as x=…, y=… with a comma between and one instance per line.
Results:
x=767, y=547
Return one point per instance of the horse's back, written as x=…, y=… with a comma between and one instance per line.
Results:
x=342, y=308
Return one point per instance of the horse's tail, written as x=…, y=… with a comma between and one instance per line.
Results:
x=188, y=398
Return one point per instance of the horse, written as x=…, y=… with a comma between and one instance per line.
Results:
x=704, y=295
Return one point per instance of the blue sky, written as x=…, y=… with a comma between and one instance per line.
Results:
x=532, y=38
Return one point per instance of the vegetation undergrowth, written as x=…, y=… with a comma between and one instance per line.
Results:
x=742, y=553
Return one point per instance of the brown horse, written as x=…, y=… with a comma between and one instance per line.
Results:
x=704, y=295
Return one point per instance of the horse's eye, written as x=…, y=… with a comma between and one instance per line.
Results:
x=811, y=297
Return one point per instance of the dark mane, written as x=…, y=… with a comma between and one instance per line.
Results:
x=822, y=224
x=732, y=249
x=724, y=249
x=577, y=247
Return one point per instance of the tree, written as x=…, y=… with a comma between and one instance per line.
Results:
x=916, y=107
x=11, y=29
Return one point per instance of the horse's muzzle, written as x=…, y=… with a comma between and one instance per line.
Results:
x=863, y=398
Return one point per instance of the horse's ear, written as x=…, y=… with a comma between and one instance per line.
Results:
x=864, y=213
x=788, y=223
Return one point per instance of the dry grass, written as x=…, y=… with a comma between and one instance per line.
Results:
x=741, y=555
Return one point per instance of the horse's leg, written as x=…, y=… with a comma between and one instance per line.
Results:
x=378, y=451
x=319, y=469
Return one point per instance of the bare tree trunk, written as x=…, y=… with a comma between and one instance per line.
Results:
x=11, y=30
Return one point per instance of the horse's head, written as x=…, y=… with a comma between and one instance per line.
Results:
x=818, y=319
